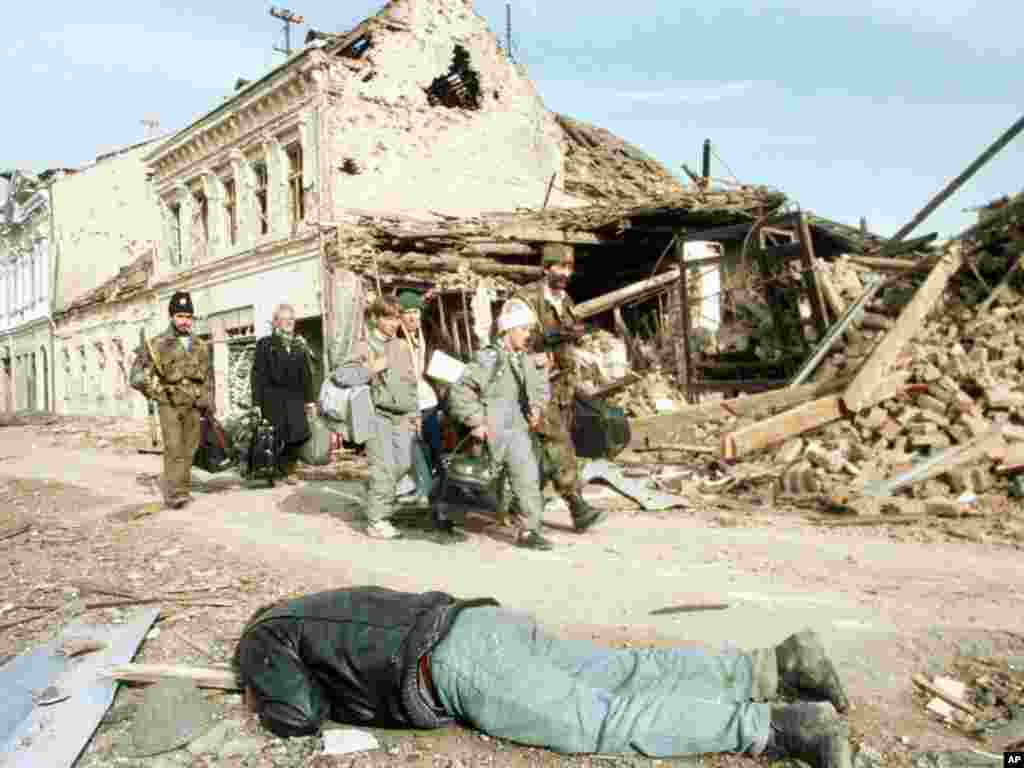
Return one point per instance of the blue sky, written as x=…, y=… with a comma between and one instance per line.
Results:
x=852, y=111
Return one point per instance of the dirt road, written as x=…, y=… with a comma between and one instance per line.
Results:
x=887, y=609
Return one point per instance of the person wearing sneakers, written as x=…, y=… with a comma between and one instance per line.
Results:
x=551, y=343
x=501, y=397
x=374, y=656
x=384, y=361
x=283, y=387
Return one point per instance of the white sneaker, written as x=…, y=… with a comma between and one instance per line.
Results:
x=382, y=529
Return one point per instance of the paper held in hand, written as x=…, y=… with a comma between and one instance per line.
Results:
x=445, y=367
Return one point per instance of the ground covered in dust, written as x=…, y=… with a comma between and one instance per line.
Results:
x=71, y=549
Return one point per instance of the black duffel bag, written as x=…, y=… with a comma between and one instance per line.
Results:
x=600, y=431
x=212, y=454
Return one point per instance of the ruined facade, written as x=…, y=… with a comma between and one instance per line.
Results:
x=26, y=381
x=415, y=111
x=105, y=223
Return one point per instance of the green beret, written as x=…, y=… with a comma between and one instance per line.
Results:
x=410, y=300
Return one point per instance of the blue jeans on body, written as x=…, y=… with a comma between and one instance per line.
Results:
x=498, y=671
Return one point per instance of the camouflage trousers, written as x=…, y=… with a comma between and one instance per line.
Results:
x=180, y=427
x=555, y=435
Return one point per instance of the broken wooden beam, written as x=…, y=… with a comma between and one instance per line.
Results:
x=810, y=277
x=907, y=324
x=621, y=296
x=777, y=429
x=766, y=403
x=892, y=265
x=204, y=677
x=498, y=249
x=452, y=262
x=803, y=418
x=922, y=682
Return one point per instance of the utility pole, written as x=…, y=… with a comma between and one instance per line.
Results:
x=508, y=31
x=289, y=18
x=705, y=168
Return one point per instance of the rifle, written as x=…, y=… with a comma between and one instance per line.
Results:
x=150, y=403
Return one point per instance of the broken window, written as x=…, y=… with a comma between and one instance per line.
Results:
x=460, y=87
x=175, y=210
x=296, y=205
x=231, y=211
x=201, y=207
x=260, y=170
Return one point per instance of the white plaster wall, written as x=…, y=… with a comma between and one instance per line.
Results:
x=101, y=215
x=415, y=157
x=296, y=283
x=103, y=390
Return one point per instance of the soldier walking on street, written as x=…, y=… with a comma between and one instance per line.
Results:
x=176, y=370
x=551, y=342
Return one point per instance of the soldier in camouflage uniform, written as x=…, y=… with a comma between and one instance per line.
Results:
x=176, y=370
x=557, y=329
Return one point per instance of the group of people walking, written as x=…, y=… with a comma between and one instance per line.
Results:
x=431, y=658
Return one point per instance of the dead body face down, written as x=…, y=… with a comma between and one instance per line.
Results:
x=376, y=657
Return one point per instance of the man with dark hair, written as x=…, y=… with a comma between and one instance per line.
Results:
x=176, y=370
x=551, y=343
x=384, y=361
x=373, y=656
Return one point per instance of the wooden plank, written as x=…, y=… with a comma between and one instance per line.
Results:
x=623, y=295
x=835, y=302
x=204, y=677
x=778, y=428
x=802, y=418
x=766, y=403
x=922, y=682
x=891, y=265
x=907, y=324
x=810, y=277
x=684, y=368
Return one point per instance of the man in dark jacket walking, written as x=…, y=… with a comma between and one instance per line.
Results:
x=373, y=656
x=283, y=387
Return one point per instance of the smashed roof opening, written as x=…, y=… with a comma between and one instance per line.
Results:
x=460, y=87
x=357, y=48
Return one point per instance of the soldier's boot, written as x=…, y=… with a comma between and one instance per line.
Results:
x=289, y=471
x=810, y=732
x=584, y=516
x=804, y=668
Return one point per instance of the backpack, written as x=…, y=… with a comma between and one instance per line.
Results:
x=212, y=455
x=600, y=431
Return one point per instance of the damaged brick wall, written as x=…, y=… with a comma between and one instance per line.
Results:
x=411, y=154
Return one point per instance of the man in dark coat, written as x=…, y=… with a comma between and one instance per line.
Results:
x=373, y=656
x=283, y=386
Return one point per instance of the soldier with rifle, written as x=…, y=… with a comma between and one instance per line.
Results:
x=551, y=343
x=175, y=370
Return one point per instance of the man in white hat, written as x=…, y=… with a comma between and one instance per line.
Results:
x=501, y=397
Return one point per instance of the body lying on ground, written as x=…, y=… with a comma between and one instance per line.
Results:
x=376, y=657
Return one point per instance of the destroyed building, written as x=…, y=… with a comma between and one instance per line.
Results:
x=414, y=115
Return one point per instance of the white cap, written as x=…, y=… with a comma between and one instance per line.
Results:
x=514, y=314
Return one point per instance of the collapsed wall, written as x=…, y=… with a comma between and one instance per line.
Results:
x=427, y=113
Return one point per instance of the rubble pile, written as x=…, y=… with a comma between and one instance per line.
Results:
x=602, y=360
x=989, y=706
x=963, y=387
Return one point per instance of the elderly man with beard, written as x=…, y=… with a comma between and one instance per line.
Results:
x=283, y=387
x=175, y=369
x=384, y=361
